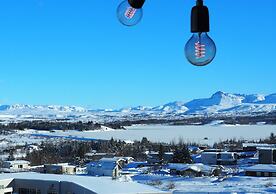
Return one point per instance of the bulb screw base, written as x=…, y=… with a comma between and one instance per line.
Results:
x=137, y=4
x=200, y=18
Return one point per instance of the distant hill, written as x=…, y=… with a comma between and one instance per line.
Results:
x=219, y=104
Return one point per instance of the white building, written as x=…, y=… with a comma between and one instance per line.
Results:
x=193, y=170
x=108, y=166
x=219, y=158
x=261, y=170
x=16, y=166
x=62, y=168
x=267, y=155
x=35, y=183
x=256, y=146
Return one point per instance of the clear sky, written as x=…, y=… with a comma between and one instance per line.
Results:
x=75, y=52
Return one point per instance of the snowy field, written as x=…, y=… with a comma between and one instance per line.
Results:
x=157, y=133
x=163, y=133
x=210, y=184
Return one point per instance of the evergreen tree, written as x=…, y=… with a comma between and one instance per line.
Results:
x=161, y=153
x=182, y=155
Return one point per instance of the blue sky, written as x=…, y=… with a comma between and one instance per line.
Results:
x=76, y=52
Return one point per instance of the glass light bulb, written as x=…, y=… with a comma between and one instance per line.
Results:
x=200, y=50
x=128, y=15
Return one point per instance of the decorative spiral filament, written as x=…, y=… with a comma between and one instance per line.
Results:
x=130, y=12
x=199, y=50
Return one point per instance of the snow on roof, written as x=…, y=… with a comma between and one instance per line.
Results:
x=106, y=165
x=262, y=168
x=216, y=153
x=258, y=145
x=136, y=164
x=99, y=185
x=129, y=141
x=96, y=154
x=157, y=153
x=114, y=159
x=266, y=148
x=124, y=158
x=195, y=167
x=209, y=153
x=17, y=162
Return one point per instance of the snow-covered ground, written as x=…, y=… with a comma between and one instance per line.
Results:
x=164, y=133
x=156, y=133
x=236, y=184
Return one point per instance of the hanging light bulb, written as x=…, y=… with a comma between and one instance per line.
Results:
x=130, y=12
x=200, y=50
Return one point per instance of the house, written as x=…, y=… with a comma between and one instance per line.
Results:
x=108, y=166
x=219, y=158
x=261, y=170
x=227, y=158
x=124, y=160
x=213, y=150
x=209, y=158
x=62, y=168
x=154, y=157
x=16, y=166
x=267, y=155
x=121, y=161
x=246, y=154
x=94, y=156
x=191, y=170
x=249, y=147
x=81, y=170
x=104, y=168
x=136, y=168
x=194, y=149
x=136, y=165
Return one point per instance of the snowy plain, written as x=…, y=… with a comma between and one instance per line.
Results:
x=164, y=133
x=235, y=184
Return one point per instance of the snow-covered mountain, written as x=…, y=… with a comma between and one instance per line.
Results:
x=27, y=108
x=220, y=103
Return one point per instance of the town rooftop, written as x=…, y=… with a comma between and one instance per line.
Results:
x=99, y=185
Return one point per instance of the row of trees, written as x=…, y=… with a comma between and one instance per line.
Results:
x=269, y=118
x=234, y=144
x=55, y=125
x=74, y=151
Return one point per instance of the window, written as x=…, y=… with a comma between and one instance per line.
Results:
x=23, y=191
x=28, y=191
x=274, y=156
x=32, y=191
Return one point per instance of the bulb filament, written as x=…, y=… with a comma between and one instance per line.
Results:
x=130, y=12
x=199, y=50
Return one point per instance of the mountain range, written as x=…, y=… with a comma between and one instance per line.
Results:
x=220, y=103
